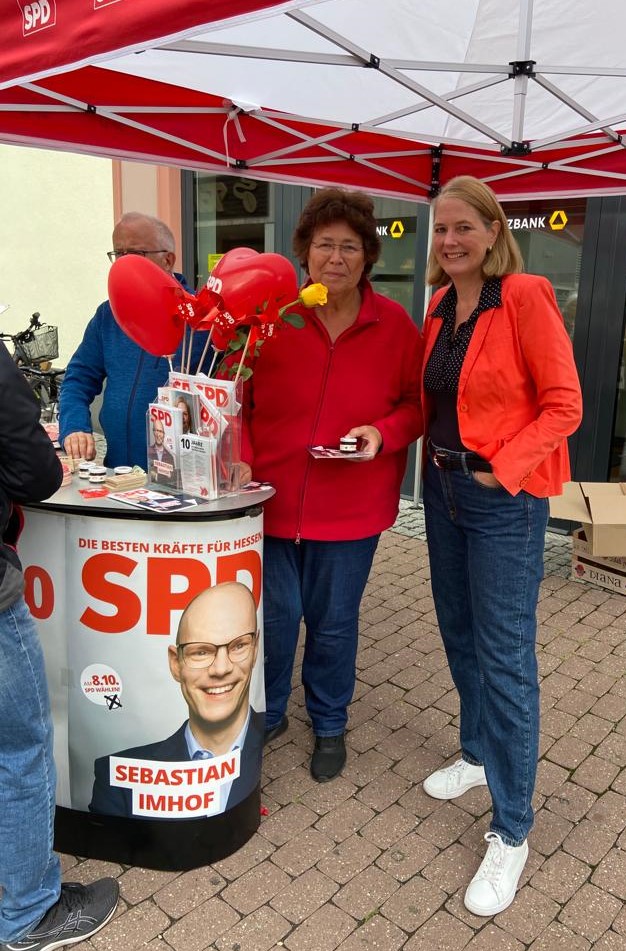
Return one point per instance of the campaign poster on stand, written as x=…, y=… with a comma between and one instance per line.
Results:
x=107, y=595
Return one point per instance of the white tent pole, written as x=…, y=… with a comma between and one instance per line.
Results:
x=520, y=82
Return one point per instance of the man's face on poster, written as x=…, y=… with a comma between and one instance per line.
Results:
x=186, y=415
x=226, y=640
x=158, y=432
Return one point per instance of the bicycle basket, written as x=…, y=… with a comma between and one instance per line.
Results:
x=42, y=345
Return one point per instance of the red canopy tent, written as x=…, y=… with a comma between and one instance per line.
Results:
x=394, y=98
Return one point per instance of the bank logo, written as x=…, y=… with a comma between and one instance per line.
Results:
x=558, y=220
x=38, y=15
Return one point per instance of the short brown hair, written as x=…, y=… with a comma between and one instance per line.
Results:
x=505, y=256
x=329, y=205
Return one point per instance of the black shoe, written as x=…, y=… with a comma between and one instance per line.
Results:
x=80, y=911
x=329, y=757
x=276, y=731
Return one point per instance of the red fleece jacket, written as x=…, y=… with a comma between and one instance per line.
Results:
x=306, y=391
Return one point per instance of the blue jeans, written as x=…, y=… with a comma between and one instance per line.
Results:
x=324, y=583
x=486, y=561
x=30, y=873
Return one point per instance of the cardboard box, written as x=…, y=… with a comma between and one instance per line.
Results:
x=607, y=572
x=601, y=509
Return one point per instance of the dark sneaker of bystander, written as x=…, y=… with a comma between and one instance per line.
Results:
x=80, y=911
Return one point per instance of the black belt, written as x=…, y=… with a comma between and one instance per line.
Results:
x=444, y=459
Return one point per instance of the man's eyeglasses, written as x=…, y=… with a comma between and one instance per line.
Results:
x=199, y=654
x=347, y=250
x=114, y=255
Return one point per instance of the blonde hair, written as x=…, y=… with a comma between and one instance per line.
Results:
x=505, y=256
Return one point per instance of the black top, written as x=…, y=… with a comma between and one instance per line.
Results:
x=442, y=372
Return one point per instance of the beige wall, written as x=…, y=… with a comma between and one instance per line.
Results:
x=58, y=212
x=57, y=217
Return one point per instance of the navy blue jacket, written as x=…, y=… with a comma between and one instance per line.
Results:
x=130, y=376
x=117, y=801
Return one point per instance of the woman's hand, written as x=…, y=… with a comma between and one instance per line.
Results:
x=488, y=479
x=245, y=473
x=371, y=439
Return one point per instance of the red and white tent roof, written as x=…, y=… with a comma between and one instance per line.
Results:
x=393, y=96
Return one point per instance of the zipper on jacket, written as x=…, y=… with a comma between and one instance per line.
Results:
x=315, y=422
x=131, y=400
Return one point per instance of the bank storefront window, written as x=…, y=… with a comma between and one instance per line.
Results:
x=394, y=272
x=230, y=212
x=550, y=236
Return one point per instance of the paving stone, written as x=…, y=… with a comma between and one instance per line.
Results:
x=323, y=797
x=302, y=897
x=451, y=869
x=569, y=752
x=407, y=857
x=367, y=891
x=384, y=790
x=610, y=875
x=445, y=825
x=561, y=876
x=348, y=859
x=571, y=801
x=376, y=934
x=255, y=887
x=529, y=915
x=589, y=841
x=610, y=811
x=610, y=941
x=137, y=884
x=255, y=851
x=322, y=931
x=591, y=728
x=287, y=823
x=389, y=826
x=345, y=819
x=595, y=774
x=132, y=929
x=260, y=931
x=303, y=851
x=202, y=926
x=413, y=904
x=590, y=912
x=443, y=932
x=557, y=937
x=492, y=938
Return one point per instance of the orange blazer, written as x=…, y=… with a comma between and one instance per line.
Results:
x=519, y=394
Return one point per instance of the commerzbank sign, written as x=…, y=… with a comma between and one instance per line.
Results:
x=555, y=221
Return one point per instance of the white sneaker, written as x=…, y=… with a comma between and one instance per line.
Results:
x=494, y=885
x=453, y=781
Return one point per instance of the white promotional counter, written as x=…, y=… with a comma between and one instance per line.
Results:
x=107, y=583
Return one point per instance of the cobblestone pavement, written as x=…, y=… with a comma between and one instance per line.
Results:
x=368, y=861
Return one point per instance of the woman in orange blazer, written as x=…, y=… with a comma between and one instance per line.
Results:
x=500, y=394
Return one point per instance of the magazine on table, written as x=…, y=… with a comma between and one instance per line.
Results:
x=154, y=501
x=198, y=466
x=164, y=425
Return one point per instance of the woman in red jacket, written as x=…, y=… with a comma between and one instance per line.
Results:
x=501, y=395
x=352, y=369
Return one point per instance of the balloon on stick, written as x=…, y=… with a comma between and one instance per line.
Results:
x=144, y=299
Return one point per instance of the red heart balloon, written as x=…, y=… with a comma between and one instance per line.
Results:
x=144, y=301
x=251, y=283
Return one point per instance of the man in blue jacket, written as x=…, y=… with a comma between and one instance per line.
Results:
x=37, y=911
x=108, y=358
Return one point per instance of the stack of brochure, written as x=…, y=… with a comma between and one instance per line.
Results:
x=194, y=436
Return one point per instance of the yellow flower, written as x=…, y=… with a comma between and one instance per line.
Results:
x=315, y=295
